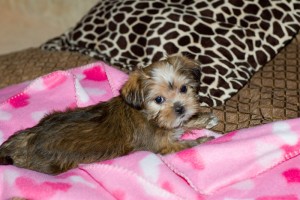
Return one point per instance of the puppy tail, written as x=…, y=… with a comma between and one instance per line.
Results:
x=6, y=160
x=14, y=150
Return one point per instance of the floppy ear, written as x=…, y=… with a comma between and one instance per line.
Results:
x=196, y=73
x=133, y=90
x=188, y=66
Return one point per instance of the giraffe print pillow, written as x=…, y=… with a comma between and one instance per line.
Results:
x=231, y=38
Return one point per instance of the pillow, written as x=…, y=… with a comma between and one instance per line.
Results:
x=232, y=39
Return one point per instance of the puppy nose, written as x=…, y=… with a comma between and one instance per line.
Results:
x=179, y=108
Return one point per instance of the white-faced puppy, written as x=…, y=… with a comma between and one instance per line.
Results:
x=156, y=106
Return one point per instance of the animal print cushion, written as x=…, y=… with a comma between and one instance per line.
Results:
x=231, y=38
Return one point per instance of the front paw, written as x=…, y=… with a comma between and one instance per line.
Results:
x=212, y=121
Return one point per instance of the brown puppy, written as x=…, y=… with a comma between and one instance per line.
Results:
x=156, y=106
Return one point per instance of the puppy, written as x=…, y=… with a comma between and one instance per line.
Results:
x=155, y=107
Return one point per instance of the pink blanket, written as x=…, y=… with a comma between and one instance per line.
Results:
x=260, y=163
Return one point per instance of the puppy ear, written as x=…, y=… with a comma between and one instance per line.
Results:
x=133, y=90
x=196, y=72
x=188, y=66
x=193, y=69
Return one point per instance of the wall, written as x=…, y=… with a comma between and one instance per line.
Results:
x=29, y=23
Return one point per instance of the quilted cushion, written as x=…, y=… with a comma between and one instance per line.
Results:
x=231, y=38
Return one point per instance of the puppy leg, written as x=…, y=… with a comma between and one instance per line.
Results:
x=203, y=120
x=184, y=144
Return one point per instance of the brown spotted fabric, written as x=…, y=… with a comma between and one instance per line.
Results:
x=231, y=38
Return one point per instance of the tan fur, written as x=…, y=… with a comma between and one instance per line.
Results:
x=130, y=122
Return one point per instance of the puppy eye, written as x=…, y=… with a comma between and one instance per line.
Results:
x=183, y=89
x=159, y=100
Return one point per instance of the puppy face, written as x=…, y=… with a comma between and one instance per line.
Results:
x=165, y=91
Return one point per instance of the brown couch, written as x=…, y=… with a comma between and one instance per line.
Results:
x=272, y=94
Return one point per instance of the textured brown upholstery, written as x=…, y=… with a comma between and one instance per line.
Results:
x=272, y=94
x=31, y=63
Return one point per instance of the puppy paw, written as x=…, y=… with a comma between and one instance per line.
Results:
x=212, y=121
x=204, y=139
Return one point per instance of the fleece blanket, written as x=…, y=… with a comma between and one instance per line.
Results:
x=256, y=163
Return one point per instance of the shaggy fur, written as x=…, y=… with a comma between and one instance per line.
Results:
x=156, y=106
